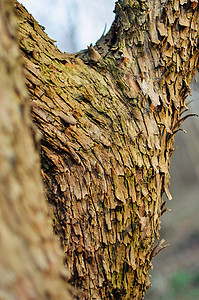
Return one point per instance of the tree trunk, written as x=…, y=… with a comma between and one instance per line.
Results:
x=108, y=116
x=30, y=260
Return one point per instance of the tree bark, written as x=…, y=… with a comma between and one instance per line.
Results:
x=30, y=259
x=108, y=116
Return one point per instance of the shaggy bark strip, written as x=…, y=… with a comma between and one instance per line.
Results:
x=108, y=116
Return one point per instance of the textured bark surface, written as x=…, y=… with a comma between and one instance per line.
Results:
x=108, y=116
x=30, y=260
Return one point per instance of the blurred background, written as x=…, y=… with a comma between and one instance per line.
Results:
x=175, y=275
x=74, y=24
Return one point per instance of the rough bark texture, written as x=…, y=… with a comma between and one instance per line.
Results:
x=108, y=116
x=30, y=260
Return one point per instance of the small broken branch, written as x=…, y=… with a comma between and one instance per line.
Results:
x=159, y=247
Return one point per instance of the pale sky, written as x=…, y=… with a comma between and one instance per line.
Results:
x=72, y=22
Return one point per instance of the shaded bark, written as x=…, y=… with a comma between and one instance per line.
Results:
x=30, y=259
x=108, y=116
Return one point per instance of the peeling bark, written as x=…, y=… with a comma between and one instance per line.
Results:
x=108, y=116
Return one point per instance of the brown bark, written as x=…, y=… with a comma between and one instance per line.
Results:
x=30, y=260
x=108, y=117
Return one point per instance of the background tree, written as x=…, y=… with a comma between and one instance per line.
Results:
x=108, y=117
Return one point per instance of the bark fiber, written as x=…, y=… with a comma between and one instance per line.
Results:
x=108, y=116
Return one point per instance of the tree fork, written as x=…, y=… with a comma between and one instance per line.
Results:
x=108, y=116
